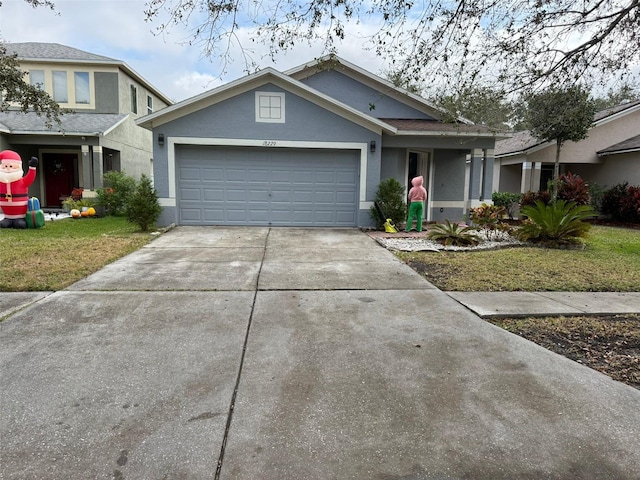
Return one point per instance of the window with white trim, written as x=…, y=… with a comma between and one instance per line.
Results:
x=36, y=78
x=83, y=92
x=60, y=91
x=270, y=107
x=149, y=104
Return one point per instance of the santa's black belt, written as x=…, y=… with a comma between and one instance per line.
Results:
x=9, y=196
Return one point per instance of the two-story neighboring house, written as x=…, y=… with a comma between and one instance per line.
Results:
x=105, y=97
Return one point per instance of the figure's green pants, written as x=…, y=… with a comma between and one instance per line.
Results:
x=415, y=211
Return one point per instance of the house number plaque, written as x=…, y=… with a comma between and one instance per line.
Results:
x=269, y=143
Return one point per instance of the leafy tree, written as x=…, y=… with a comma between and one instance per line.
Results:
x=14, y=90
x=520, y=43
x=560, y=114
x=482, y=105
x=624, y=93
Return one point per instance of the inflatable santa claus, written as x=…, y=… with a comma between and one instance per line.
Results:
x=14, y=188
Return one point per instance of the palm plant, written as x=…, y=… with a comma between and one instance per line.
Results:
x=559, y=223
x=453, y=234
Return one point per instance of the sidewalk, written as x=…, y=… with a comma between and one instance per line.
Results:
x=483, y=304
x=528, y=304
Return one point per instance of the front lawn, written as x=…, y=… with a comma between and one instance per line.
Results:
x=610, y=262
x=63, y=251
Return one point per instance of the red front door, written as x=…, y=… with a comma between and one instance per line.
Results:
x=58, y=177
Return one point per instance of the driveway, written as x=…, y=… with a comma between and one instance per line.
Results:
x=275, y=353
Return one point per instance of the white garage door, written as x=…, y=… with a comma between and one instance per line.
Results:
x=267, y=186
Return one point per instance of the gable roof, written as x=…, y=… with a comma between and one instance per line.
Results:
x=290, y=81
x=525, y=142
x=37, y=52
x=255, y=80
x=367, y=78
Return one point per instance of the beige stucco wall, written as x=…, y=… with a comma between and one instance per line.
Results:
x=600, y=137
x=614, y=169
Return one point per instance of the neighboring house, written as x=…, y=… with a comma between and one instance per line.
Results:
x=309, y=147
x=105, y=96
x=608, y=156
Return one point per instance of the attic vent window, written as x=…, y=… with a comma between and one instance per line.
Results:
x=270, y=107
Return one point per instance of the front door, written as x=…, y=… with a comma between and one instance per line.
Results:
x=59, y=177
x=420, y=164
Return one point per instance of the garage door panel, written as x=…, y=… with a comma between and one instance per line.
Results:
x=190, y=194
x=252, y=186
x=213, y=215
x=191, y=214
x=213, y=194
x=189, y=173
x=345, y=198
x=211, y=174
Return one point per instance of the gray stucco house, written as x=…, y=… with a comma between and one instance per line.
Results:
x=105, y=96
x=309, y=147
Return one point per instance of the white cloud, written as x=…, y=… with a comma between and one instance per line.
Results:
x=116, y=29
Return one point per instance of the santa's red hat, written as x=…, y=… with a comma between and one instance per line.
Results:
x=9, y=156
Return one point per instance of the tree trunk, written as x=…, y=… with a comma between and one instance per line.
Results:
x=556, y=173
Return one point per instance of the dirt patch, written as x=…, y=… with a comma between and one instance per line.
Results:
x=609, y=344
x=436, y=273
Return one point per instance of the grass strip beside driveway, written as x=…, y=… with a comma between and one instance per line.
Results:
x=610, y=262
x=63, y=251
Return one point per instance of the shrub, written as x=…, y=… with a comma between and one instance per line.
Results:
x=390, y=196
x=556, y=224
x=488, y=218
x=622, y=203
x=508, y=200
x=143, y=207
x=453, y=234
x=630, y=205
x=596, y=194
x=118, y=186
x=573, y=188
x=530, y=198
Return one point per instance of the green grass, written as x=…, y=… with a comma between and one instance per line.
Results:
x=610, y=262
x=63, y=251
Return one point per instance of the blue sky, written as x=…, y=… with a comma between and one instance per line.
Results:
x=117, y=29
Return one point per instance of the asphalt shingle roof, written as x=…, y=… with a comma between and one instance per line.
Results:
x=82, y=123
x=52, y=51
x=632, y=143
x=417, y=125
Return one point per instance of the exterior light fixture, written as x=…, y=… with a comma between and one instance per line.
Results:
x=161, y=139
x=372, y=146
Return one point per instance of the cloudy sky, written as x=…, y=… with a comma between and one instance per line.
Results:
x=117, y=29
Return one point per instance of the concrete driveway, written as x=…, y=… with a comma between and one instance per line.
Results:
x=258, y=353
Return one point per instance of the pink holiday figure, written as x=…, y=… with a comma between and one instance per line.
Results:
x=14, y=188
x=417, y=196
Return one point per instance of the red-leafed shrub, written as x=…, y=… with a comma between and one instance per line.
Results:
x=573, y=188
x=622, y=203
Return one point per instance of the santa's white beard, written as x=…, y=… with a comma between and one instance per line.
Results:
x=10, y=177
